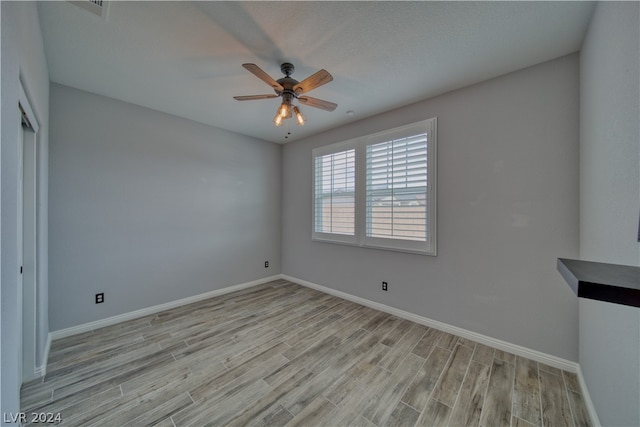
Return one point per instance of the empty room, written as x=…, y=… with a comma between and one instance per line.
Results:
x=358, y=213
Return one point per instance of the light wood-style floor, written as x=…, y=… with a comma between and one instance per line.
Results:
x=282, y=354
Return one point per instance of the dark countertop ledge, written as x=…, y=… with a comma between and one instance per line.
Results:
x=618, y=284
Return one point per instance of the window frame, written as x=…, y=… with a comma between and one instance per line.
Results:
x=360, y=144
x=333, y=237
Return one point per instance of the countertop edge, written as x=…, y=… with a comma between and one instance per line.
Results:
x=606, y=286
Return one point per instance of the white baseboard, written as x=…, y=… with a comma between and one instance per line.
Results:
x=591, y=409
x=538, y=356
x=86, y=327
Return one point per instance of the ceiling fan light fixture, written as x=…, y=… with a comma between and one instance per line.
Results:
x=290, y=89
x=285, y=110
x=300, y=119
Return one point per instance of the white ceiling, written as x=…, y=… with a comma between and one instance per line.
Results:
x=184, y=58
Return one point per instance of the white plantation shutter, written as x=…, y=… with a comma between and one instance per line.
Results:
x=378, y=190
x=334, y=194
x=396, y=189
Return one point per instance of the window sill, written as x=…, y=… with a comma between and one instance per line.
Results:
x=376, y=247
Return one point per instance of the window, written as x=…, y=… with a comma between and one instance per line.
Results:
x=334, y=189
x=379, y=190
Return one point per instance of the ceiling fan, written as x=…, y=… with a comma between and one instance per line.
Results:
x=289, y=89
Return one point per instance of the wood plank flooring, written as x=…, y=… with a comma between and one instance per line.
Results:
x=282, y=354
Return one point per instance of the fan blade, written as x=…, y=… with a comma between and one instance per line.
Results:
x=251, y=97
x=313, y=81
x=317, y=103
x=259, y=73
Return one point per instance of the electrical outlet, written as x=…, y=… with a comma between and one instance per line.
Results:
x=385, y=286
x=100, y=298
x=266, y=264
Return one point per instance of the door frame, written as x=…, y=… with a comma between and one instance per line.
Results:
x=28, y=150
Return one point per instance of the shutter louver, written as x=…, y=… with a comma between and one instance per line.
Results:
x=335, y=193
x=396, y=189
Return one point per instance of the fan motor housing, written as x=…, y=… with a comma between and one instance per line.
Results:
x=288, y=84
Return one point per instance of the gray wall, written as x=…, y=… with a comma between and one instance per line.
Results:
x=22, y=58
x=610, y=135
x=609, y=204
x=507, y=208
x=150, y=208
x=610, y=360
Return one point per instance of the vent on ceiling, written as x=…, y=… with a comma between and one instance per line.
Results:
x=97, y=7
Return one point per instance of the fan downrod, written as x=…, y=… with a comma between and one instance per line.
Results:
x=287, y=68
